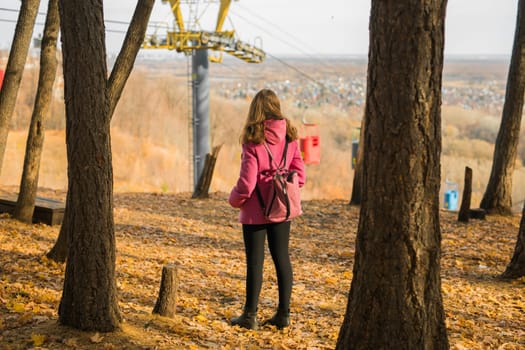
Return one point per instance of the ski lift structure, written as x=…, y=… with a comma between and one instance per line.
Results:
x=188, y=38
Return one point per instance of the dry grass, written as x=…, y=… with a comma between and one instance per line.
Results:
x=151, y=132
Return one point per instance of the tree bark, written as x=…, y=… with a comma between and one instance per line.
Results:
x=117, y=80
x=35, y=140
x=15, y=68
x=89, y=296
x=357, y=186
x=516, y=267
x=498, y=194
x=166, y=304
x=464, y=210
x=128, y=53
x=59, y=251
x=395, y=297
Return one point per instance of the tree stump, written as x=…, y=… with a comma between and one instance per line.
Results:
x=464, y=211
x=203, y=186
x=167, y=301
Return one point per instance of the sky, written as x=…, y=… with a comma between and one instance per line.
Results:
x=307, y=27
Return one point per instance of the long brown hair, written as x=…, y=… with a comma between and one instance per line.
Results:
x=265, y=105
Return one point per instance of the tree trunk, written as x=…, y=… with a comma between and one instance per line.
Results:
x=59, y=251
x=128, y=52
x=166, y=304
x=116, y=83
x=15, y=68
x=35, y=140
x=357, y=186
x=464, y=210
x=516, y=267
x=89, y=296
x=395, y=297
x=498, y=194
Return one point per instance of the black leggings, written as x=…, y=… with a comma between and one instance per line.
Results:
x=278, y=238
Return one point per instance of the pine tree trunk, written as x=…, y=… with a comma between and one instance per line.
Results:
x=59, y=251
x=116, y=83
x=395, y=297
x=498, y=194
x=89, y=296
x=35, y=140
x=15, y=68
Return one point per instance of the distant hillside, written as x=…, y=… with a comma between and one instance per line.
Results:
x=151, y=126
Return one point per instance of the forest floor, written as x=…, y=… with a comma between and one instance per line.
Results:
x=203, y=238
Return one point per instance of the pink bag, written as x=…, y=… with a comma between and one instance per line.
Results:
x=284, y=198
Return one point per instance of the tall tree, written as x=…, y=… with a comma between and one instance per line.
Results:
x=89, y=297
x=498, y=194
x=35, y=139
x=15, y=68
x=395, y=297
x=116, y=83
x=516, y=267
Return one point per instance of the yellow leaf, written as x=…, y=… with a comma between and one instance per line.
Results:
x=38, y=339
x=18, y=307
x=201, y=318
x=331, y=280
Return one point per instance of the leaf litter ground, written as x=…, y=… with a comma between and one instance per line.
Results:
x=203, y=238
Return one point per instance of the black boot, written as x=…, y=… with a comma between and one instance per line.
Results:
x=247, y=320
x=281, y=319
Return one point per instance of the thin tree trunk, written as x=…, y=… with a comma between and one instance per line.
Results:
x=357, y=186
x=128, y=53
x=116, y=83
x=15, y=68
x=395, y=297
x=498, y=194
x=59, y=251
x=35, y=140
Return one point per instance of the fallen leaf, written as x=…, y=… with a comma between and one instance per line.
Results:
x=96, y=338
x=38, y=339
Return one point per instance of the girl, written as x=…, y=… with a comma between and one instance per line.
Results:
x=265, y=124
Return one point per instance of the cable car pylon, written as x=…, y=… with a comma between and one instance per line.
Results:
x=197, y=43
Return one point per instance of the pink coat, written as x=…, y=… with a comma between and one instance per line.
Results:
x=255, y=169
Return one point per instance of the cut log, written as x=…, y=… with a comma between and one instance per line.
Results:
x=167, y=301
